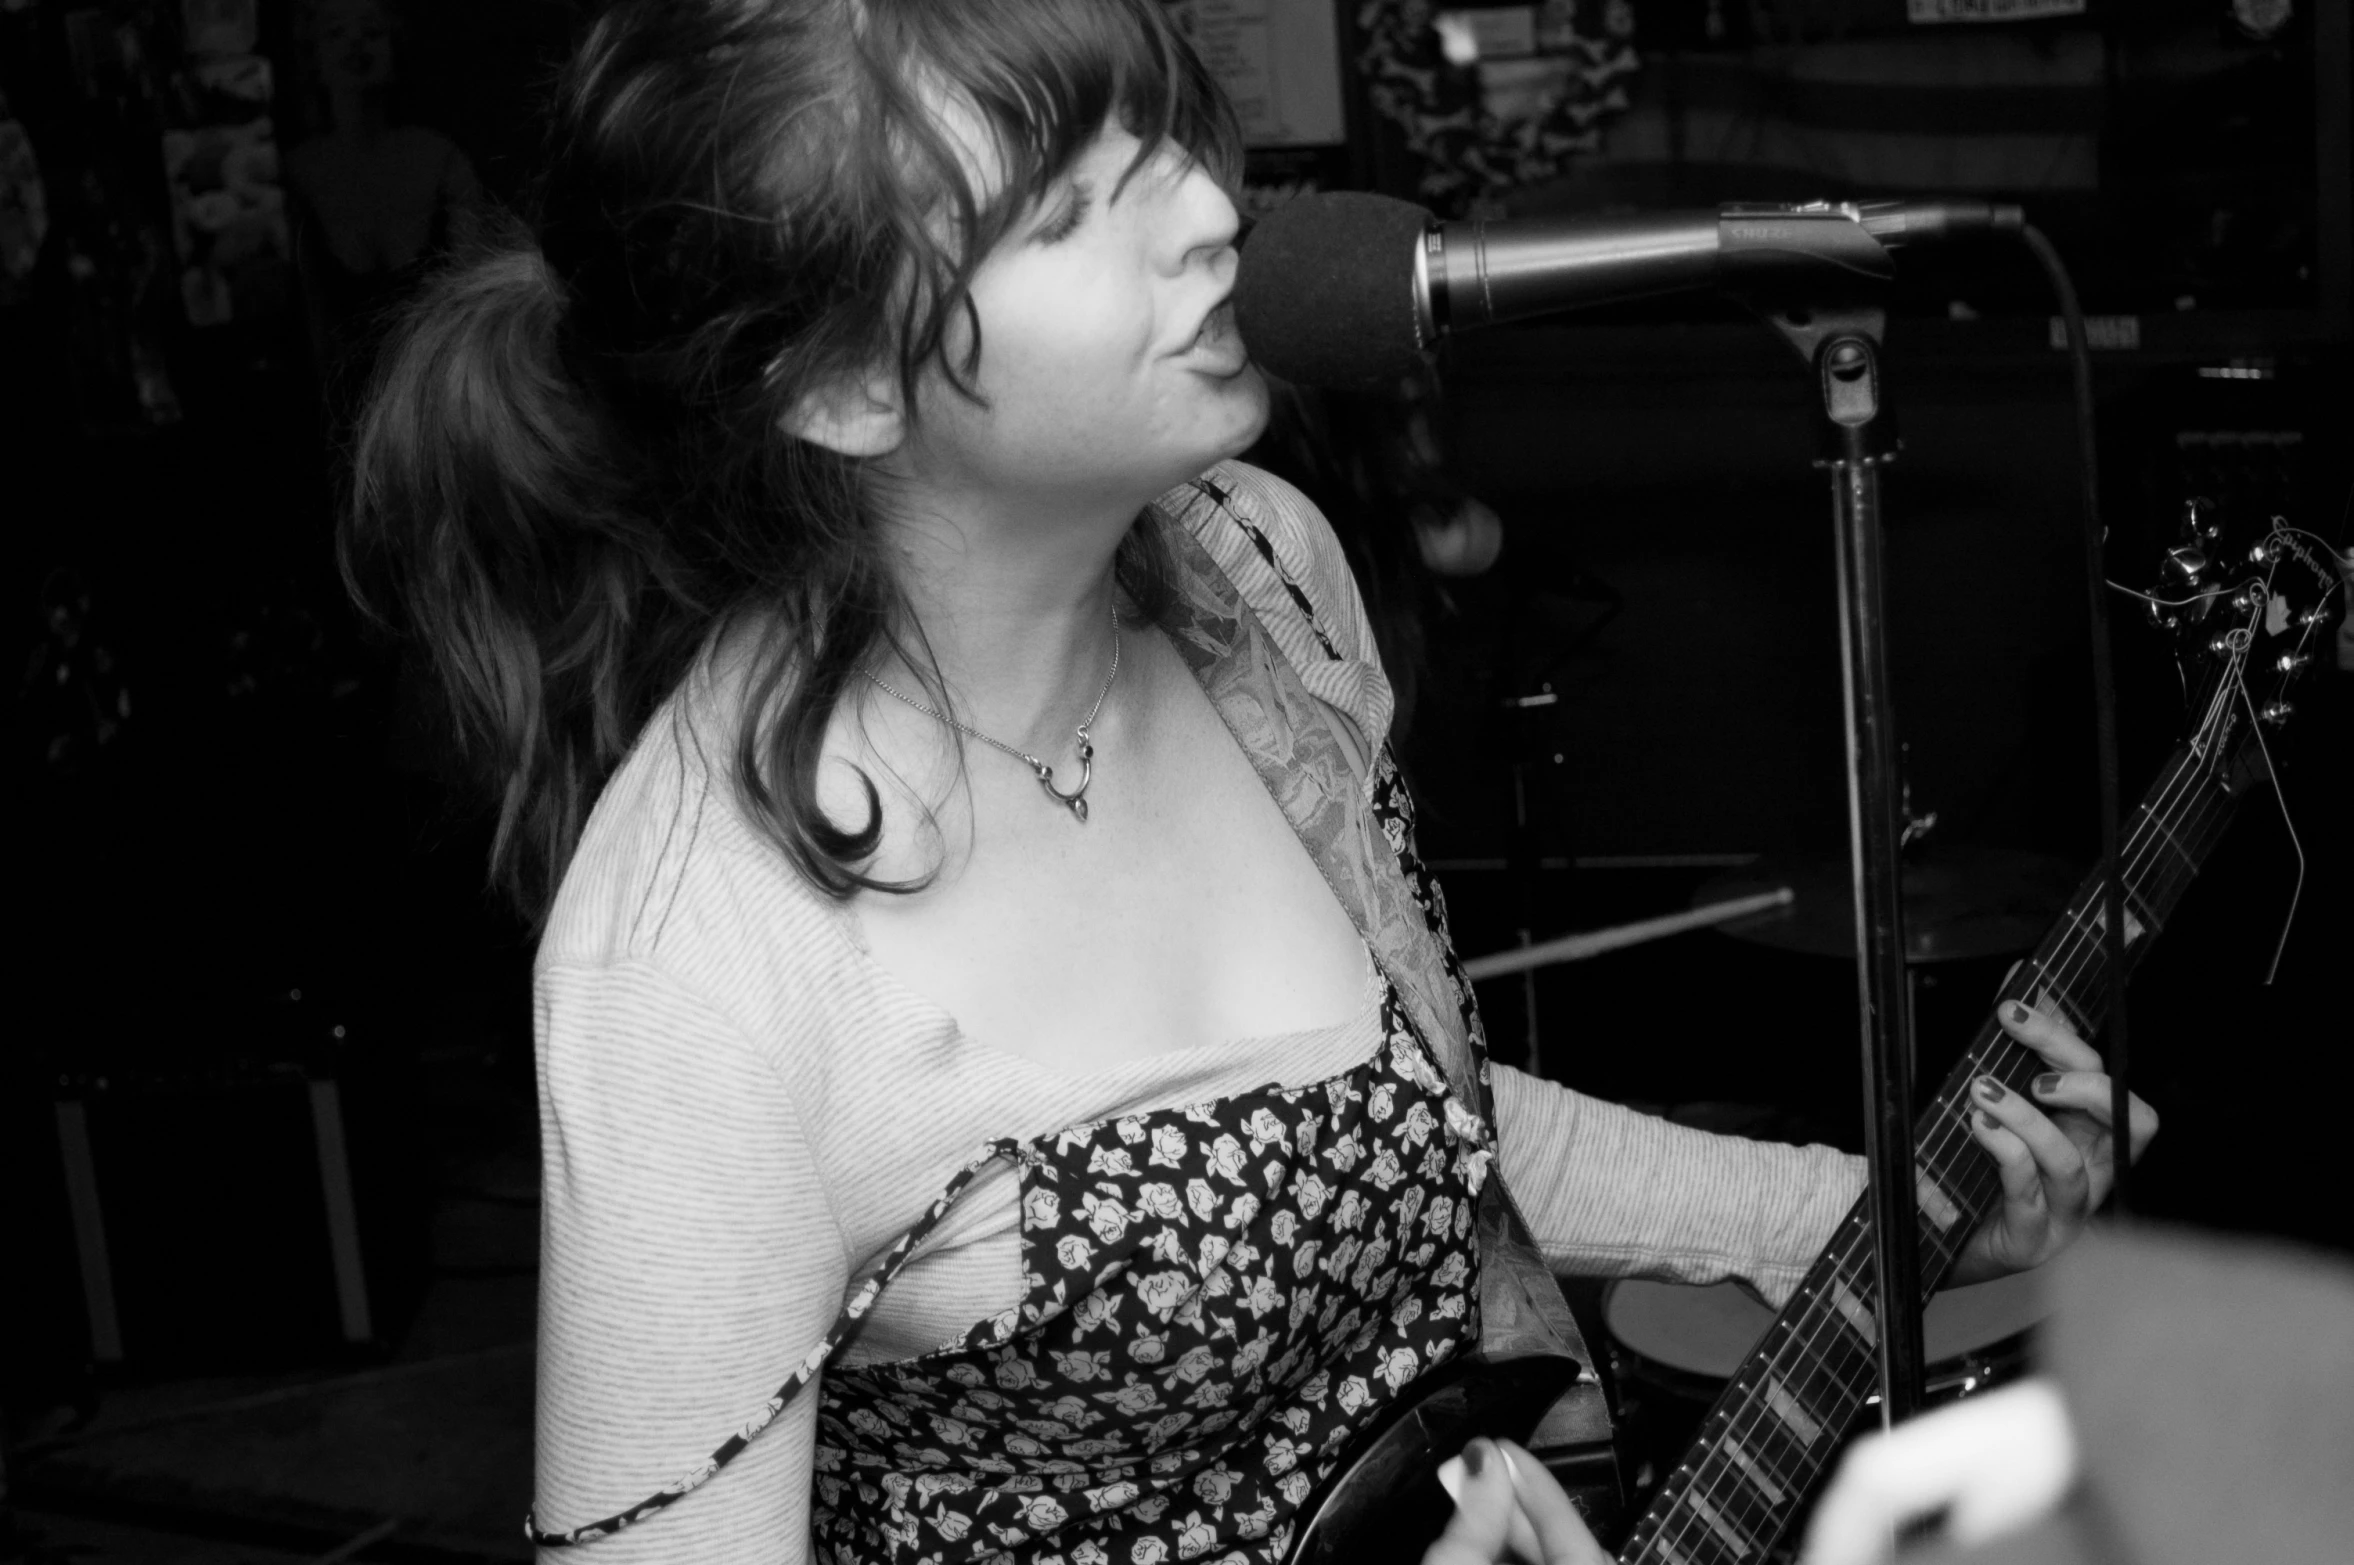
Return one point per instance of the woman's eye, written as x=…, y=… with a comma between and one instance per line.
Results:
x=1068, y=222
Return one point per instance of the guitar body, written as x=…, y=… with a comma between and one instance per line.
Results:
x=1532, y=1380
x=2248, y=601
x=1386, y=1506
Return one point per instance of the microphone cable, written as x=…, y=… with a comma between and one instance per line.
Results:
x=2104, y=700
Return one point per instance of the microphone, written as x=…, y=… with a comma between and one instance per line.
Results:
x=1346, y=289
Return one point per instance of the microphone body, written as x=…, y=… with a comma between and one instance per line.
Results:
x=1345, y=289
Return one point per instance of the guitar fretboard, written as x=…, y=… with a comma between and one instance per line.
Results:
x=1783, y=1415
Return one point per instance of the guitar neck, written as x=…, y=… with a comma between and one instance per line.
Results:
x=1782, y=1416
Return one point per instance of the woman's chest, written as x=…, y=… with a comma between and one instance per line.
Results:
x=1184, y=912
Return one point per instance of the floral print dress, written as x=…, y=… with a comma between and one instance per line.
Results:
x=1217, y=1299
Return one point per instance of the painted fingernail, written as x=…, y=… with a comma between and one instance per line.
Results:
x=1988, y=1089
x=1985, y=1120
x=2016, y=1011
x=2047, y=1084
x=1475, y=1457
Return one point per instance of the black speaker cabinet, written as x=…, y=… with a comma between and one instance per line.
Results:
x=242, y=1216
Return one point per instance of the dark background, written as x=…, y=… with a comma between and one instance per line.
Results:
x=278, y=812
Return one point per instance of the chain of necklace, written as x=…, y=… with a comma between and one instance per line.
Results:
x=1076, y=800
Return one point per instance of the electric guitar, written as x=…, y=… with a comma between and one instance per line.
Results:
x=2248, y=607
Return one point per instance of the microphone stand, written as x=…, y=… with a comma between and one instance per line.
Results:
x=1842, y=346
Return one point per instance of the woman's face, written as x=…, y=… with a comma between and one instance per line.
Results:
x=1108, y=353
x=355, y=43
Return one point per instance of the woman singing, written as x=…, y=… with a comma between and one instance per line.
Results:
x=1006, y=1087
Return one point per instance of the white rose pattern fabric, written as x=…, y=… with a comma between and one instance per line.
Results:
x=1218, y=1299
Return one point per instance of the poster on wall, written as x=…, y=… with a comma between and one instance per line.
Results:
x=214, y=28
x=1493, y=98
x=228, y=206
x=1279, y=61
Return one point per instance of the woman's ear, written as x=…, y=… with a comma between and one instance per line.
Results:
x=852, y=415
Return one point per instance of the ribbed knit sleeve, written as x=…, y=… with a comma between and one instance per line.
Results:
x=690, y=1260
x=1613, y=1192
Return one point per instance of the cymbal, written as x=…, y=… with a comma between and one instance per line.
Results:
x=1959, y=903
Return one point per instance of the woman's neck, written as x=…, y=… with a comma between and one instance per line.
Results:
x=360, y=113
x=1017, y=613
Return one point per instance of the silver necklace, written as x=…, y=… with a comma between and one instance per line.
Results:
x=1076, y=800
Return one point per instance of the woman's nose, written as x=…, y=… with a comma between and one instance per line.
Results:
x=1207, y=223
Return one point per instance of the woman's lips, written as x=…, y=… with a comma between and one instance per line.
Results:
x=1218, y=348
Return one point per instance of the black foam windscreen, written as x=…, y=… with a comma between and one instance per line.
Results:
x=1325, y=292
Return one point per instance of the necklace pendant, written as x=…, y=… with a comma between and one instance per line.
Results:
x=1076, y=799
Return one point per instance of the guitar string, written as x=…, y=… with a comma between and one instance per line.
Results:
x=1804, y=1352
x=2152, y=829
x=2081, y=950
x=1810, y=1349
x=1797, y=1363
x=2256, y=726
x=2234, y=683
x=2207, y=596
x=2068, y=967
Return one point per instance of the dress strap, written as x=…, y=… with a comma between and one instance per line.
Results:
x=862, y=1299
x=1522, y=1307
x=1393, y=806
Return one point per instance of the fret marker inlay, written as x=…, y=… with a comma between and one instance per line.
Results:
x=1857, y=1316
x=1741, y=1546
x=1936, y=1205
x=2134, y=928
x=1756, y=1474
x=1792, y=1412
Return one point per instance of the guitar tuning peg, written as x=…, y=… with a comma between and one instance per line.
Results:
x=2275, y=713
x=2292, y=662
x=2187, y=562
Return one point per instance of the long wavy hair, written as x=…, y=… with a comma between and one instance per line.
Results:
x=571, y=472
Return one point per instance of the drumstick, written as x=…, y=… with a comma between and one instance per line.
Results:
x=1593, y=942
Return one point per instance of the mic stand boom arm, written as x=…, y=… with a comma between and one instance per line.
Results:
x=1842, y=347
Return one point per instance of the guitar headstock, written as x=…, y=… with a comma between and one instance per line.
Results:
x=2249, y=601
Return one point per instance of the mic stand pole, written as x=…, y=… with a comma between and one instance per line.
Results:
x=1842, y=346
